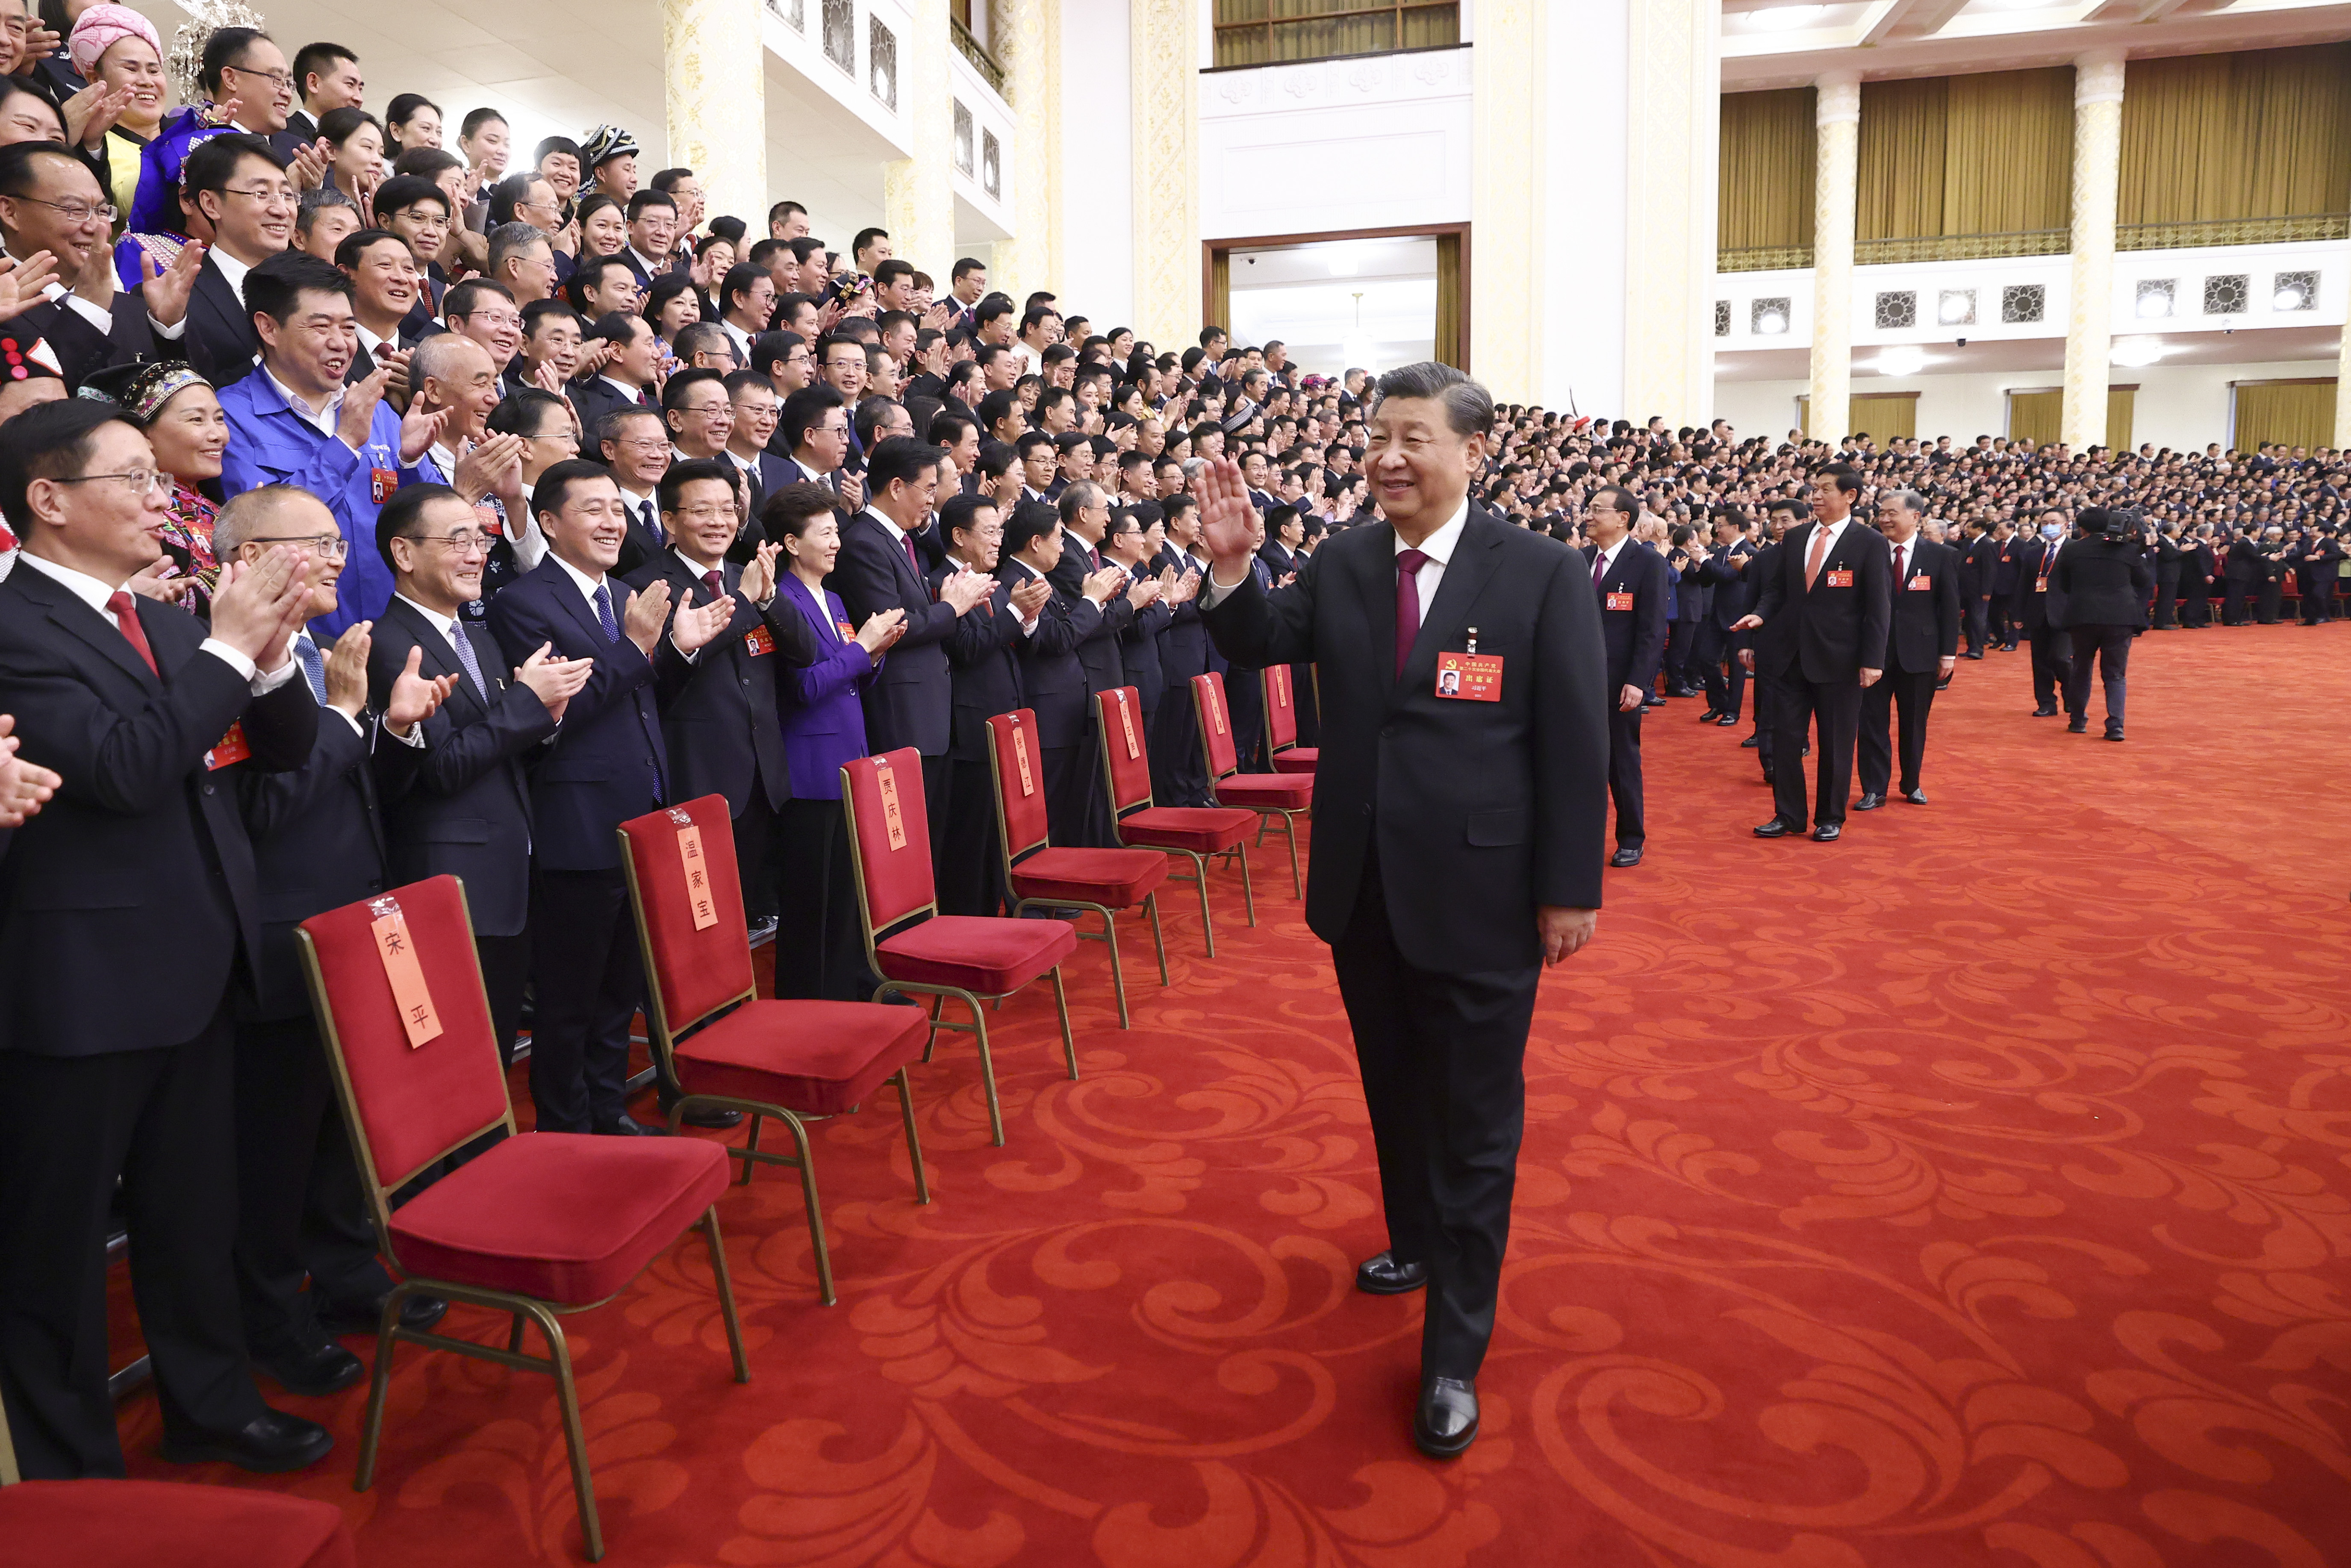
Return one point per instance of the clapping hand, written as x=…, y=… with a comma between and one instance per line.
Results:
x=22, y=286
x=1101, y=584
x=553, y=679
x=159, y=579
x=1229, y=524
x=25, y=786
x=643, y=616
x=882, y=628
x=347, y=682
x=260, y=605
x=414, y=697
x=758, y=580
x=166, y=289
x=966, y=590
x=698, y=624
x=1029, y=598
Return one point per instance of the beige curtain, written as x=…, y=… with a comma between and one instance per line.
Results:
x=1452, y=331
x=1886, y=416
x=2120, y=404
x=2299, y=412
x=1221, y=289
x=1254, y=32
x=2007, y=153
x=1903, y=127
x=2262, y=134
x=2035, y=415
x=1764, y=192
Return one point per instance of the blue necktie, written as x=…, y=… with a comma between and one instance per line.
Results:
x=604, y=612
x=312, y=665
x=466, y=657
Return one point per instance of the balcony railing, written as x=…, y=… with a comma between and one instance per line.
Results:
x=1763, y=258
x=1961, y=248
x=981, y=60
x=2233, y=231
x=2300, y=227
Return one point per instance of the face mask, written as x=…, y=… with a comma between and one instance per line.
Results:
x=2050, y=530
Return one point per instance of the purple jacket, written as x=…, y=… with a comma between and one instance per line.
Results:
x=824, y=722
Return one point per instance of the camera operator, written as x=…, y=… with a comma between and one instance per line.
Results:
x=2103, y=583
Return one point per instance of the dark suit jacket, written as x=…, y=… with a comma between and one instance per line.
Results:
x=1833, y=633
x=125, y=903
x=2103, y=583
x=1139, y=646
x=2244, y=562
x=594, y=397
x=1978, y=567
x=1925, y=629
x=643, y=544
x=983, y=662
x=912, y=701
x=2035, y=606
x=1184, y=648
x=1731, y=587
x=1634, y=638
x=1098, y=651
x=1481, y=812
x=1053, y=681
x=608, y=763
x=718, y=714
x=466, y=811
x=219, y=339
x=2004, y=556
x=79, y=346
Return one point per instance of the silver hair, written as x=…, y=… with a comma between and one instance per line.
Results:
x=1912, y=502
x=435, y=359
x=1469, y=406
x=242, y=514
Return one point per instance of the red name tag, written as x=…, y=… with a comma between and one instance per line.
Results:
x=1840, y=577
x=230, y=747
x=404, y=973
x=1472, y=677
x=846, y=634
x=697, y=872
x=760, y=641
x=381, y=483
x=1278, y=678
x=488, y=516
x=1922, y=580
x=890, y=819
x=1020, y=757
x=1619, y=602
x=1127, y=722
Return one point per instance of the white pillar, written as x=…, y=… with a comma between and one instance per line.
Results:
x=2097, y=172
x=713, y=69
x=918, y=193
x=1163, y=86
x=1835, y=187
x=1506, y=168
x=1673, y=120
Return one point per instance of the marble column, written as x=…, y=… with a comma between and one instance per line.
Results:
x=1026, y=39
x=1673, y=121
x=713, y=70
x=918, y=191
x=1507, y=136
x=1163, y=78
x=2089, y=320
x=2342, y=391
x=1836, y=184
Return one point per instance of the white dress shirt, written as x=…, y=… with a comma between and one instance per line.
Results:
x=326, y=419
x=1606, y=559
x=95, y=592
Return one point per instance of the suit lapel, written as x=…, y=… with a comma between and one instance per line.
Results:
x=1474, y=556
x=93, y=628
x=1374, y=566
x=438, y=657
x=577, y=602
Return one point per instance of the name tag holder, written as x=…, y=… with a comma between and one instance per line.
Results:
x=397, y=951
x=229, y=748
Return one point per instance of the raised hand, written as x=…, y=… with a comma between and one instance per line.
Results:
x=307, y=167
x=356, y=419
x=853, y=488
x=259, y=605
x=882, y=628
x=21, y=286
x=166, y=289
x=414, y=697
x=491, y=468
x=95, y=281
x=696, y=625
x=963, y=590
x=159, y=579
x=758, y=580
x=1229, y=524
x=418, y=429
x=25, y=786
x=642, y=617
x=553, y=679
x=347, y=682
x=90, y=113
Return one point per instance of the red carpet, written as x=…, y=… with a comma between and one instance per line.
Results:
x=1972, y=1191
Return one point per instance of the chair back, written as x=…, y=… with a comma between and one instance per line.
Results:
x=1280, y=711
x=688, y=892
x=1016, y=763
x=1215, y=725
x=889, y=837
x=1128, y=770
x=383, y=972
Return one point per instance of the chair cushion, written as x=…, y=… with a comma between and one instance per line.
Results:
x=816, y=1058
x=1294, y=791
x=1203, y=829
x=983, y=954
x=169, y=1524
x=1115, y=879
x=565, y=1217
x=1297, y=759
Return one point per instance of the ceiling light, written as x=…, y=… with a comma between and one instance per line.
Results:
x=2289, y=298
x=1770, y=324
x=1785, y=18
x=2137, y=351
x=2154, y=306
x=1957, y=309
x=1901, y=362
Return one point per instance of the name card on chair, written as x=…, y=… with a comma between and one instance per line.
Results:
x=891, y=818
x=1216, y=710
x=1127, y=721
x=1020, y=757
x=405, y=974
x=697, y=874
x=1279, y=676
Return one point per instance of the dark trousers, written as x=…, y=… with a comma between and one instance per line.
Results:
x=2271, y=604
x=1979, y=606
x=2005, y=613
x=2111, y=646
x=1624, y=774
x=301, y=1210
x=505, y=976
x=1914, y=696
x=970, y=874
x=2318, y=599
x=163, y=1122
x=1304, y=703
x=754, y=853
x=819, y=939
x=1178, y=775
x=1705, y=663
x=2195, y=600
x=1443, y=1058
x=1680, y=636
x=1794, y=704
x=1245, y=706
x=2235, y=596
x=587, y=983
x=1077, y=813
x=939, y=788
x=1770, y=690
x=2052, y=662
x=2167, y=600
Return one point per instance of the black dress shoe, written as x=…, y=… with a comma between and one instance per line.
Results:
x=628, y=1126
x=269, y=1444
x=2045, y=712
x=1382, y=1275
x=1977, y=654
x=323, y=1369
x=1869, y=802
x=1727, y=719
x=1915, y=797
x=715, y=1117
x=1447, y=1421
x=1944, y=684
x=1709, y=715
x=1827, y=832
x=2113, y=731
x=365, y=1317
x=1751, y=742
x=1777, y=828
x=1626, y=854
x=2077, y=725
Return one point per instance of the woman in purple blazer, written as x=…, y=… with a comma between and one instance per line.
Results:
x=820, y=945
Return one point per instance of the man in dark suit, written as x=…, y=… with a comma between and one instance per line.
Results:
x=983, y=662
x=1833, y=585
x=1179, y=777
x=1053, y=680
x=1922, y=642
x=1630, y=582
x=636, y=452
x=911, y=702
x=608, y=764
x=1128, y=545
x=2053, y=656
x=1757, y=643
x=466, y=810
x=50, y=202
x=1729, y=597
x=126, y=1046
x=1978, y=578
x=318, y=844
x=240, y=187
x=1456, y=844
x=2243, y=570
x=1084, y=508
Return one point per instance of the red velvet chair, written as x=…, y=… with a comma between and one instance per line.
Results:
x=538, y=1224
x=916, y=950
x=1196, y=833
x=790, y=1060
x=1269, y=795
x=1282, y=725
x=1040, y=876
x=163, y=1524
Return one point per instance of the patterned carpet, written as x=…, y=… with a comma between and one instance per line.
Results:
x=1973, y=1191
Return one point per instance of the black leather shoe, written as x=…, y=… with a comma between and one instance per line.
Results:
x=269, y=1444
x=1726, y=720
x=628, y=1126
x=324, y=1369
x=2077, y=726
x=1827, y=832
x=1777, y=828
x=1626, y=854
x=2114, y=732
x=2044, y=713
x=1869, y=802
x=1751, y=742
x=1709, y=715
x=365, y=1317
x=1447, y=1421
x=715, y=1117
x=1915, y=797
x=1383, y=1276
x=1944, y=684
x=1977, y=654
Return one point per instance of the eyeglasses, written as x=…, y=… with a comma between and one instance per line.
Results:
x=142, y=480
x=334, y=546
x=564, y=436
x=277, y=78
x=74, y=212
x=281, y=196
x=704, y=512
x=462, y=544
x=645, y=445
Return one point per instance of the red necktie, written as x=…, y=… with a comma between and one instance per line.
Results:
x=713, y=581
x=1599, y=566
x=1813, y=557
x=126, y=616
x=1897, y=563
x=1408, y=565
x=912, y=558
